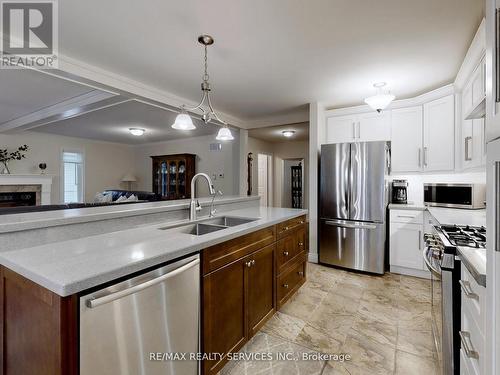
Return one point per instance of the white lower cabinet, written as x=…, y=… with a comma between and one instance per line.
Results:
x=406, y=243
x=473, y=325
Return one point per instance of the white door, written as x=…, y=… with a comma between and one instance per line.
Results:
x=262, y=181
x=406, y=145
x=439, y=134
x=374, y=126
x=341, y=129
x=406, y=245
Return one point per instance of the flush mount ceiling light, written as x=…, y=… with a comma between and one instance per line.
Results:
x=381, y=100
x=183, y=121
x=136, y=131
x=288, y=133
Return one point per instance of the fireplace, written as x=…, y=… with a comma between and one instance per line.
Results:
x=25, y=190
x=16, y=199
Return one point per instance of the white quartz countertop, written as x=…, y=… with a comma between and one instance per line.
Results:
x=458, y=216
x=70, y=267
x=407, y=206
x=475, y=261
x=44, y=219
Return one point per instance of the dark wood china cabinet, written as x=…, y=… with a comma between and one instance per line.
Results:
x=172, y=175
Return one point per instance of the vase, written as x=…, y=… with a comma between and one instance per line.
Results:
x=5, y=168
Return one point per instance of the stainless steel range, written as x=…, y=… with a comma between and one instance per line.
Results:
x=441, y=260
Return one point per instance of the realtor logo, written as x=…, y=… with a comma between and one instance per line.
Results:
x=29, y=34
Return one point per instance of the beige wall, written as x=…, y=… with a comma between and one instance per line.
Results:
x=210, y=162
x=105, y=163
x=279, y=152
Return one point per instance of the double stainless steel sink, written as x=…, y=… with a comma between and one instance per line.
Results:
x=210, y=225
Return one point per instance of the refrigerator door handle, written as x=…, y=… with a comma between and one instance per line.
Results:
x=344, y=224
x=497, y=205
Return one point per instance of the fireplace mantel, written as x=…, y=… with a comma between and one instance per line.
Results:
x=44, y=180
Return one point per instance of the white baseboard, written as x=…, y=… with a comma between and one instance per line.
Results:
x=410, y=272
x=312, y=257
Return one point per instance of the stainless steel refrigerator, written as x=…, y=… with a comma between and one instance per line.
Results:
x=352, y=205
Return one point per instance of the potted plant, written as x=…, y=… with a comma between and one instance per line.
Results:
x=6, y=156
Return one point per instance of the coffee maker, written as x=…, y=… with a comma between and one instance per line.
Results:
x=400, y=191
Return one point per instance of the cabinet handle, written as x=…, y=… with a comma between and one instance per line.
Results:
x=467, y=345
x=301, y=222
x=285, y=286
x=253, y=262
x=408, y=216
x=301, y=244
x=285, y=253
x=248, y=264
x=425, y=156
x=285, y=228
x=301, y=273
x=419, y=157
x=469, y=293
x=467, y=148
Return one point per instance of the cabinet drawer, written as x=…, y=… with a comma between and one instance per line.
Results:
x=472, y=339
x=291, y=280
x=289, y=247
x=407, y=216
x=285, y=228
x=219, y=255
x=473, y=298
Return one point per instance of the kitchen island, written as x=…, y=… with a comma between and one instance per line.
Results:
x=41, y=285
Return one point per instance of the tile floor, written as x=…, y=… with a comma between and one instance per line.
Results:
x=383, y=323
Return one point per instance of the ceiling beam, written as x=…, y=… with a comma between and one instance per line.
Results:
x=73, y=107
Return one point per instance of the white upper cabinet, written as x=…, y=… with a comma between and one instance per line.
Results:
x=374, y=126
x=407, y=133
x=365, y=127
x=341, y=129
x=439, y=134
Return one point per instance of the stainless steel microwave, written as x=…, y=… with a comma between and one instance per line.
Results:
x=470, y=196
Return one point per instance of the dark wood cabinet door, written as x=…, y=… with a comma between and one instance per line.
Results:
x=224, y=312
x=260, y=288
x=300, y=239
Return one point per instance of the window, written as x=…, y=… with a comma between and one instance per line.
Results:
x=72, y=176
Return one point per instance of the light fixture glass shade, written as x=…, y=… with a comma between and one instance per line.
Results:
x=288, y=133
x=183, y=122
x=380, y=101
x=224, y=134
x=136, y=131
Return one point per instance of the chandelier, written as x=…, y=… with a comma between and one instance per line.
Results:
x=184, y=122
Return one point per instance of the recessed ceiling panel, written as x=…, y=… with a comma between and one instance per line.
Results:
x=111, y=124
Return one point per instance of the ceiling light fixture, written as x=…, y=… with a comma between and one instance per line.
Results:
x=136, y=131
x=288, y=133
x=381, y=100
x=183, y=121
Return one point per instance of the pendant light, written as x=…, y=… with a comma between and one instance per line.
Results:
x=224, y=134
x=381, y=100
x=184, y=122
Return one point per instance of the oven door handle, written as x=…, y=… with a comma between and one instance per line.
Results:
x=428, y=264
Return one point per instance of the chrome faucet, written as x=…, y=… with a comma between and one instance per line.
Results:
x=195, y=206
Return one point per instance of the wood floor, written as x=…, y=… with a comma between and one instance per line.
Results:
x=383, y=323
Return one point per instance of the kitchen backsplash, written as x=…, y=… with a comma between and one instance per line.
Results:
x=416, y=182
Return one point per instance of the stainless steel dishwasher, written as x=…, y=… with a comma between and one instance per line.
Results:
x=125, y=328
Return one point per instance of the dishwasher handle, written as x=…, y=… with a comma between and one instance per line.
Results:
x=94, y=302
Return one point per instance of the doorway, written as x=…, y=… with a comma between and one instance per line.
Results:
x=264, y=179
x=292, y=194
